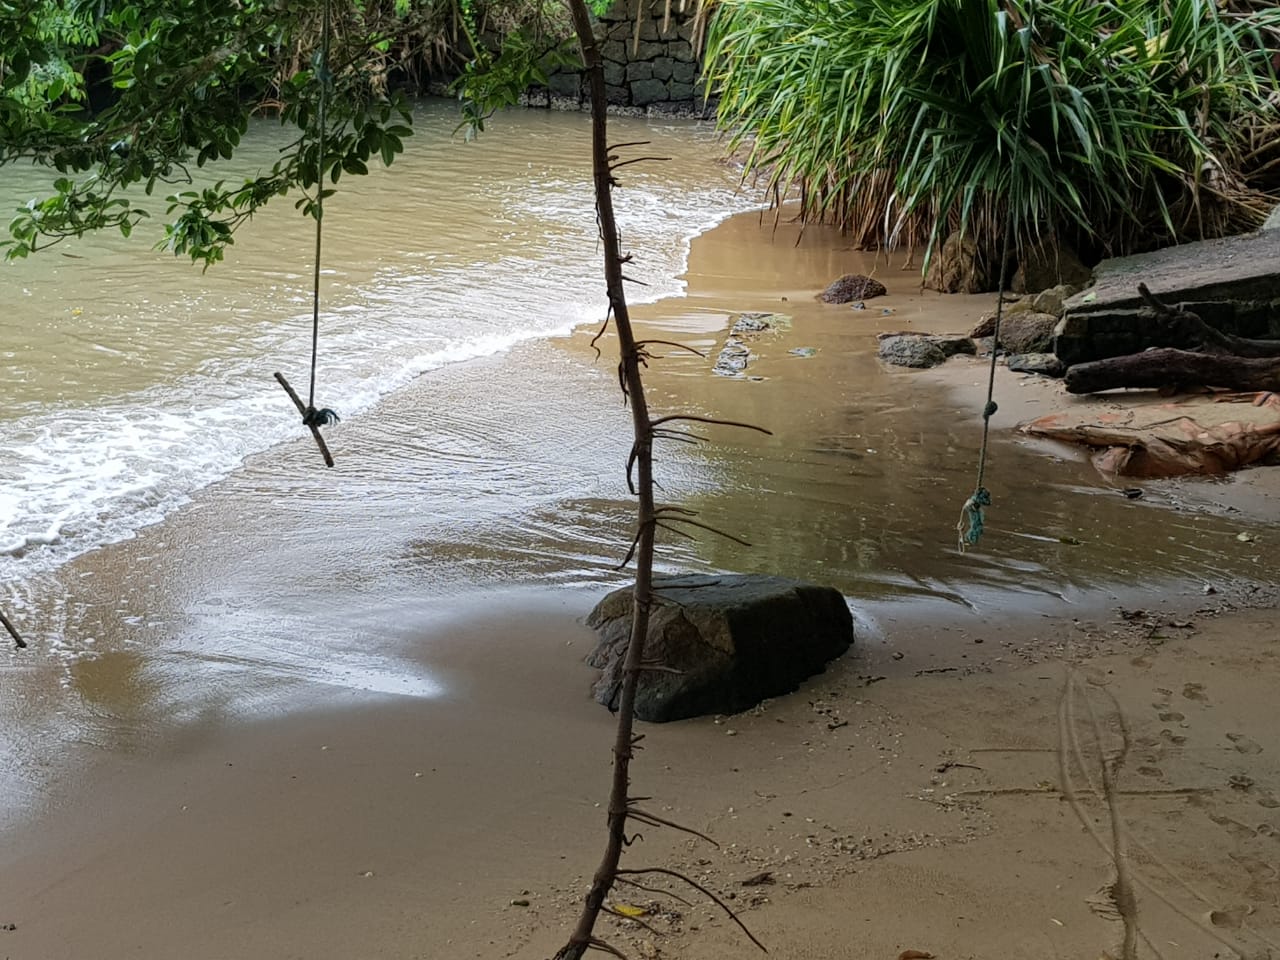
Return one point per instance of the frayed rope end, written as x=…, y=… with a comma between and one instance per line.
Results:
x=970, y=525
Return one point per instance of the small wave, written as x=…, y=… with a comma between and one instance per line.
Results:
x=104, y=470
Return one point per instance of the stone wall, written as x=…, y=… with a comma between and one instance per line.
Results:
x=659, y=75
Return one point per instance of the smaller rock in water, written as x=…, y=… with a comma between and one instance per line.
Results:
x=735, y=354
x=852, y=286
x=921, y=350
x=1045, y=364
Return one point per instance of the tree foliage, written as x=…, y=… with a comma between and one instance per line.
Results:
x=897, y=118
x=125, y=102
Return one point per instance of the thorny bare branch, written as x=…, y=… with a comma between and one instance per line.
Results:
x=723, y=423
x=655, y=890
x=672, y=343
x=633, y=357
x=622, y=163
x=701, y=889
x=623, y=916
x=652, y=819
x=678, y=436
x=710, y=529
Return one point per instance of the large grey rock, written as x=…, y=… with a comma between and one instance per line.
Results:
x=986, y=325
x=734, y=640
x=1053, y=299
x=1028, y=332
x=922, y=349
x=1234, y=283
x=1049, y=265
x=956, y=267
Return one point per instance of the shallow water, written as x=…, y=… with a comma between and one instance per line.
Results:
x=132, y=380
x=274, y=582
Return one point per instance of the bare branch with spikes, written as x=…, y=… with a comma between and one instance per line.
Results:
x=695, y=419
x=656, y=821
x=701, y=889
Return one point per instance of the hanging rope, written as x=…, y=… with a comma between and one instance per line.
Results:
x=970, y=526
x=312, y=417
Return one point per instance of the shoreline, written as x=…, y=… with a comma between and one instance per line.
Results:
x=280, y=831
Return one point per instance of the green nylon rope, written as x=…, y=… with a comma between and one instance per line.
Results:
x=971, y=525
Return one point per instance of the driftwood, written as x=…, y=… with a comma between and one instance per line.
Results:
x=1167, y=367
x=1186, y=329
x=1213, y=358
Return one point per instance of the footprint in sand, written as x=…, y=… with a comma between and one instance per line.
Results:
x=1176, y=739
x=1150, y=772
x=1171, y=716
x=1194, y=691
x=1243, y=744
x=1234, y=827
x=1267, y=799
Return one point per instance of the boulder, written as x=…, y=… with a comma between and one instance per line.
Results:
x=734, y=640
x=986, y=325
x=1028, y=332
x=1049, y=264
x=851, y=287
x=922, y=349
x=957, y=268
x=1052, y=300
x=1045, y=364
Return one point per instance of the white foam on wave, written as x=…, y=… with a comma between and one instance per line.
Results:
x=74, y=479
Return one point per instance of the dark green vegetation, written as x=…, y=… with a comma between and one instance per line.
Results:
x=112, y=96
x=1147, y=121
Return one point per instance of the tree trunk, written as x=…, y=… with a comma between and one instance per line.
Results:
x=1167, y=367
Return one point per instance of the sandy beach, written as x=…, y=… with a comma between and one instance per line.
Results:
x=1037, y=750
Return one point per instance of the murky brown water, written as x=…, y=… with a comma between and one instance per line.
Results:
x=284, y=583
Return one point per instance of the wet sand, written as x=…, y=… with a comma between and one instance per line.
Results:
x=940, y=789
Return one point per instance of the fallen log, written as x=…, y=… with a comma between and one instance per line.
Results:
x=1166, y=367
x=1186, y=329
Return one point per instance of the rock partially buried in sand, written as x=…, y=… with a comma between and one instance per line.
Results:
x=922, y=349
x=850, y=287
x=735, y=640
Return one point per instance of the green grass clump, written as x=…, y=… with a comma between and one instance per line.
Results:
x=1147, y=121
